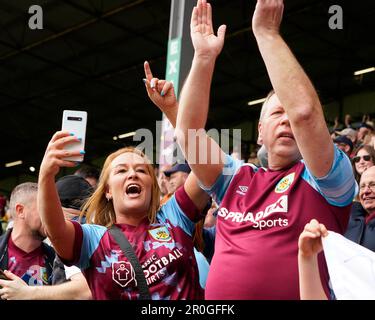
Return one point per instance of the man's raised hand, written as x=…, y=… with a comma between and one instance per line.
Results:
x=205, y=43
x=267, y=18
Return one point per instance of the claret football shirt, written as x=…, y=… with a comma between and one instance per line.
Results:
x=164, y=249
x=261, y=215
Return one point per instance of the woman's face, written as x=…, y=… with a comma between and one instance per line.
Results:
x=363, y=164
x=129, y=185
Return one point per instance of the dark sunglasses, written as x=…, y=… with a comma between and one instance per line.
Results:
x=356, y=159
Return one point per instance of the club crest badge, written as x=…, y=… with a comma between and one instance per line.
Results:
x=160, y=234
x=285, y=183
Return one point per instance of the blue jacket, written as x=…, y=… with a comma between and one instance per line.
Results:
x=358, y=231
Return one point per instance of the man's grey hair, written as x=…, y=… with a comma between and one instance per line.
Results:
x=263, y=110
x=22, y=193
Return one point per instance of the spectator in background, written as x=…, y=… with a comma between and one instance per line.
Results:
x=370, y=139
x=364, y=130
x=3, y=218
x=253, y=158
x=262, y=155
x=73, y=192
x=163, y=182
x=350, y=133
x=344, y=144
x=364, y=158
x=361, y=228
x=174, y=177
x=348, y=121
x=337, y=126
x=68, y=283
x=91, y=175
x=177, y=176
x=3, y=202
x=23, y=254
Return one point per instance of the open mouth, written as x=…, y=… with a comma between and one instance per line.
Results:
x=133, y=189
x=286, y=135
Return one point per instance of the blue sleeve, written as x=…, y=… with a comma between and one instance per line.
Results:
x=218, y=189
x=338, y=187
x=172, y=212
x=203, y=268
x=92, y=234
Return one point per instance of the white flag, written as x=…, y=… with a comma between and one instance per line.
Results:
x=351, y=268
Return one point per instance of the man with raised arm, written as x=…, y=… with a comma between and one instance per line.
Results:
x=263, y=211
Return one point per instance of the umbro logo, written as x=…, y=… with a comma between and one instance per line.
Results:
x=242, y=190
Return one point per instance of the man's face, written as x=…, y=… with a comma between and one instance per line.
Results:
x=163, y=180
x=92, y=181
x=176, y=180
x=362, y=133
x=367, y=190
x=275, y=131
x=32, y=218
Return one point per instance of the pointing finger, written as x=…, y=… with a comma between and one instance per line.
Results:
x=148, y=72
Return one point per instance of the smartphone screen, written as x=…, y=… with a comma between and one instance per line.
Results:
x=75, y=121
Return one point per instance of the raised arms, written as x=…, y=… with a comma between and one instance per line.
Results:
x=293, y=88
x=194, y=100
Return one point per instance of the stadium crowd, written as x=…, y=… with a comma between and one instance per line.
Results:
x=213, y=230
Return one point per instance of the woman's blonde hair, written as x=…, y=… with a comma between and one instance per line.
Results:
x=101, y=211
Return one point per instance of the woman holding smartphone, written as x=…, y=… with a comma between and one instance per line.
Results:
x=127, y=196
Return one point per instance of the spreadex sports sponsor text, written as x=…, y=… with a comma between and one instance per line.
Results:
x=258, y=219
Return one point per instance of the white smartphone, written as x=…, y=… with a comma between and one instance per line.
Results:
x=75, y=122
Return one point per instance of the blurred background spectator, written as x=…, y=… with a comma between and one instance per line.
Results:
x=89, y=173
x=344, y=144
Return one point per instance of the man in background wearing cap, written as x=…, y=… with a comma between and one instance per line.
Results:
x=163, y=182
x=68, y=283
x=176, y=177
x=90, y=174
x=350, y=133
x=344, y=144
x=73, y=190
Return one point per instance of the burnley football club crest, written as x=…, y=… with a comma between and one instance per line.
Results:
x=160, y=234
x=285, y=183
